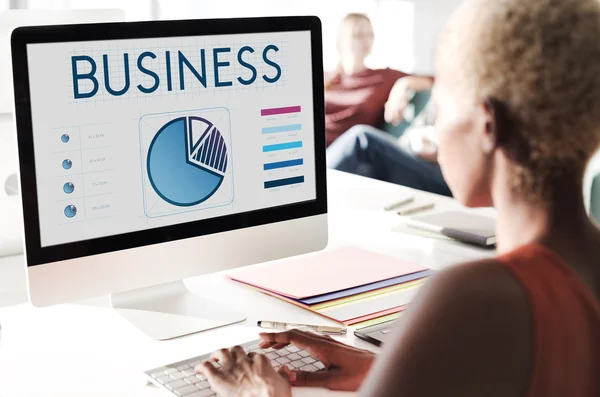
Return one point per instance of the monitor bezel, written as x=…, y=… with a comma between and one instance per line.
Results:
x=21, y=37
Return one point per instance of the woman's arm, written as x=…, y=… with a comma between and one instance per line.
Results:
x=468, y=335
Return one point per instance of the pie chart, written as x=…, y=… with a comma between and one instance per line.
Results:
x=186, y=161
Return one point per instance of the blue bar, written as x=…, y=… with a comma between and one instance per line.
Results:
x=283, y=164
x=282, y=146
x=282, y=128
x=284, y=182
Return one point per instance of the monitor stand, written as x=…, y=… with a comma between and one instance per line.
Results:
x=171, y=310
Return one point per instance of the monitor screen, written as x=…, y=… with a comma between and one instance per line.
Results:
x=131, y=135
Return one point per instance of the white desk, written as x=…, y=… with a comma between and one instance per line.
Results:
x=87, y=349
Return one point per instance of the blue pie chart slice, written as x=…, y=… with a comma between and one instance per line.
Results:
x=177, y=173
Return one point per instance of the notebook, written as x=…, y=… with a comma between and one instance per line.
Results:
x=461, y=226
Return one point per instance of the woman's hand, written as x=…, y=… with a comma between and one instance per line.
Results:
x=345, y=367
x=243, y=375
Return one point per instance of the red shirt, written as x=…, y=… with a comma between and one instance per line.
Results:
x=356, y=99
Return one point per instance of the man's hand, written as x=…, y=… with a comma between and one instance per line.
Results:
x=403, y=90
x=397, y=101
x=345, y=367
x=424, y=146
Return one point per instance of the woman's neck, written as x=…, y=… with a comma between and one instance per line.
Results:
x=561, y=221
x=352, y=66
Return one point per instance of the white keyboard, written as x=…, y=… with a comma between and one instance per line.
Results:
x=180, y=379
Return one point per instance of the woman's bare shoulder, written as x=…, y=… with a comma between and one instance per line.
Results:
x=471, y=322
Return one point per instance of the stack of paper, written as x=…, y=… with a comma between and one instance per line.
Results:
x=349, y=285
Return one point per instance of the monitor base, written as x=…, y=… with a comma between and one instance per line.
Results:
x=170, y=310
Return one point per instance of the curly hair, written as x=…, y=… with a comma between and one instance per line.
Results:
x=540, y=59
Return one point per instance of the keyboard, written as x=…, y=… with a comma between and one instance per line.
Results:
x=180, y=379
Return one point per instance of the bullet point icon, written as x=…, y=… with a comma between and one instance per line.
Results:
x=65, y=138
x=70, y=211
x=67, y=164
x=68, y=188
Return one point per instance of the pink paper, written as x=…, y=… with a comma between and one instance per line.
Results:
x=324, y=272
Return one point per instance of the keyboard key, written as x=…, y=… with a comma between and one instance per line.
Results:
x=216, y=364
x=164, y=379
x=298, y=364
x=200, y=377
x=294, y=357
x=160, y=373
x=253, y=347
x=202, y=393
x=319, y=365
x=182, y=367
x=169, y=371
x=308, y=360
x=189, y=372
x=292, y=349
x=309, y=368
x=191, y=380
x=272, y=356
x=203, y=385
x=189, y=389
x=176, y=384
x=304, y=353
x=276, y=367
x=274, y=363
x=178, y=375
x=195, y=364
x=283, y=360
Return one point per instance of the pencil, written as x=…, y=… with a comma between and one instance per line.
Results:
x=414, y=210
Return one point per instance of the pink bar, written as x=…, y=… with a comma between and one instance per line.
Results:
x=271, y=112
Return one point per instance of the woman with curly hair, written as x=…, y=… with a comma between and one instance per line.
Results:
x=518, y=117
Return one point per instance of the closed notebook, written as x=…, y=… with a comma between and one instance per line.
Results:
x=461, y=226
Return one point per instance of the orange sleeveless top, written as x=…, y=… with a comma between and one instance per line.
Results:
x=566, y=324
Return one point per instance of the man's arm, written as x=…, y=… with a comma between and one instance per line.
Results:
x=400, y=94
x=468, y=335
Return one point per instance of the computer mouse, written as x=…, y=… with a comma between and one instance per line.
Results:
x=11, y=186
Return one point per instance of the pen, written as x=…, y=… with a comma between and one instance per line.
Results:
x=399, y=204
x=323, y=329
x=414, y=210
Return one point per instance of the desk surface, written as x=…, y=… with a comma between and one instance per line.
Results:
x=87, y=349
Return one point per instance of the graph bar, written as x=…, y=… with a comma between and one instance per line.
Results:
x=282, y=146
x=284, y=182
x=285, y=110
x=282, y=128
x=283, y=164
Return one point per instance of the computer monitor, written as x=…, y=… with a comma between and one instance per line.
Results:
x=152, y=152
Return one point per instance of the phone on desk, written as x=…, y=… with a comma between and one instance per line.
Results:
x=377, y=334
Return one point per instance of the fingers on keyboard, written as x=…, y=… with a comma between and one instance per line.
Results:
x=183, y=381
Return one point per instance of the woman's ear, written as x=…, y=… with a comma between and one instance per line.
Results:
x=496, y=124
